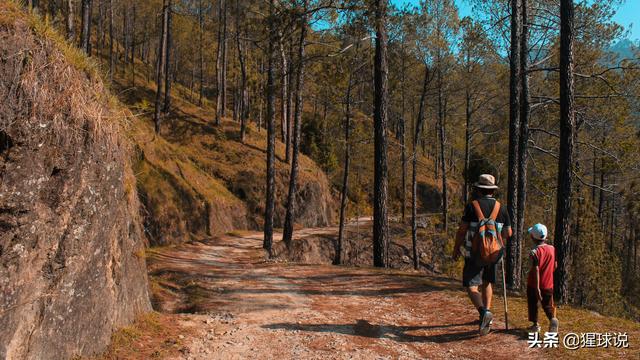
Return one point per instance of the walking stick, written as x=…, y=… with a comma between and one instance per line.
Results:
x=504, y=296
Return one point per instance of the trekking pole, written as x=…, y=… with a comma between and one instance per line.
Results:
x=504, y=296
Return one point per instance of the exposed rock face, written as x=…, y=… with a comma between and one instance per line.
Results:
x=72, y=262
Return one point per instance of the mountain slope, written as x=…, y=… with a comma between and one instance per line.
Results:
x=198, y=179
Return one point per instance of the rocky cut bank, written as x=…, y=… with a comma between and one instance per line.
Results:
x=72, y=265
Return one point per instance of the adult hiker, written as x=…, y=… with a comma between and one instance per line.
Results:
x=485, y=223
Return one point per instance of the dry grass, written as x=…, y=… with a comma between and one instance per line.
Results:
x=152, y=336
x=63, y=83
x=66, y=88
x=9, y=12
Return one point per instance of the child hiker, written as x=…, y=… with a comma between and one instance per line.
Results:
x=540, y=280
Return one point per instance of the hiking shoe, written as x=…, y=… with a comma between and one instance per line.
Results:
x=553, y=325
x=485, y=323
x=533, y=329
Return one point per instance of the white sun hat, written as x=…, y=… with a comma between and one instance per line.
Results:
x=486, y=181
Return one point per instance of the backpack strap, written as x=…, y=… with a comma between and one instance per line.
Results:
x=495, y=212
x=494, y=217
x=478, y=210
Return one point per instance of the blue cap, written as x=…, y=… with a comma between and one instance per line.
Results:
x=538, y=231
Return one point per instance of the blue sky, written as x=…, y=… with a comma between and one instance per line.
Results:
x=628, y=14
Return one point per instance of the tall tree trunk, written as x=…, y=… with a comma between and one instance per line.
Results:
x=167, y=62
x=219, y=65
x=100, y=30
x=289, y=101
x=345, y=175
x=85, y=35
x=403, y=164
x=243, y=76
x=514, y=134
x=101, y=33
x=380, y=220
x=414, y=163
x=161, y=68
x=111, y=43
x=123, y=40
x=284, y=82
x=291, y=197
x=223, y=84
x=565, y=161
x=442, y=136
x=402, y=140
x=221, y=72
x=71, y=32
x=133, y=44
x=467, y=145
x=525, y=110
x=201, y=51
x=271, y=135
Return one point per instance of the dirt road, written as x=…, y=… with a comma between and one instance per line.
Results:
x=239, y=306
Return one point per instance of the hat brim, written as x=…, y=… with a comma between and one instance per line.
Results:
x=490, y=187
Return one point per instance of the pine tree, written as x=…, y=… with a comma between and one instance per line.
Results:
x=380, y=221
x=565, y=162
x=293, y=178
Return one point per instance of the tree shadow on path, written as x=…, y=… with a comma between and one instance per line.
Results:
x=393, y=332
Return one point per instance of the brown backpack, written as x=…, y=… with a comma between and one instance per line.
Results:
x=486, y=245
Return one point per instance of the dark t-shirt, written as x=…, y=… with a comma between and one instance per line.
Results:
x=486, y=205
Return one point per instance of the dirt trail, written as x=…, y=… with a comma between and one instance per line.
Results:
x=247, y=307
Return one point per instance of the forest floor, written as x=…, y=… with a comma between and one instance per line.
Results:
x=221, y=299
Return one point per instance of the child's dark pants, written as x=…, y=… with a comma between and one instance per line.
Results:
x=547, y=303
